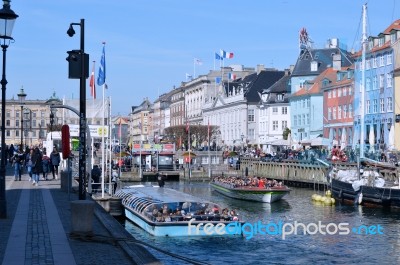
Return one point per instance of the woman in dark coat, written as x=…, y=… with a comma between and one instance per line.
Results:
x=37, y=165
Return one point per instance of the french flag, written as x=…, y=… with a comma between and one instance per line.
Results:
x=231, y=76
x=224, y=54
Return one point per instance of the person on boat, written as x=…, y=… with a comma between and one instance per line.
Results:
x=215, y=209
x=261, y=183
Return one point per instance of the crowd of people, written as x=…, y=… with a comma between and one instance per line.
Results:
x=187, y=211
x=254, y=182
x=35, y=162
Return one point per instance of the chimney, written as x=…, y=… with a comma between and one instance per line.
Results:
x=260, y=67
x=337, y=61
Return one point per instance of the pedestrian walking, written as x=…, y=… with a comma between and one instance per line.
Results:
x=55, y=159
x=37, y=165
x=46, y=166
x=17, y=164
x=28, y=163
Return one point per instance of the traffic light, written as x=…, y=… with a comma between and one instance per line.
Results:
x=74, y=64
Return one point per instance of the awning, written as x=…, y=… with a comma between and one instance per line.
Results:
x=280, y=142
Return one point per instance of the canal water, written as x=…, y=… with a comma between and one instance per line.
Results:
x=345, y=240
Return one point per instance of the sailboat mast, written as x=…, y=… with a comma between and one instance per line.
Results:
x=362, y=85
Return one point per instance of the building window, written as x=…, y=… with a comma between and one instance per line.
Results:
x=284, y=125
x=329, y=94
x=389, y=80
x=374, y=62
x=251, y=115
x=382, y=105
x=16, y=133
x=350, y=90
x=368, y=107
x=381, y=41
x=344, y=111
x=368, y=64
x=393, y=37
x=333, y=93
x=368, y=84
x=375, y=107
x=295, y=120
x=329, y=114
x=339, y=92
x=314, y=66
x=8, y=114
x=381, y=80
x=274, y=110
x=350, y=111
x=308, y=118
x=8, y=133
x=284, y=110
x=8, y=123
x=389, y=104
x=304, y=119
x=274, y=125
x=304, y=103
x=382, y=60
x=339, y=112
x=334, y=113
x=375, y=83
x=17, y=123
x=389, y=59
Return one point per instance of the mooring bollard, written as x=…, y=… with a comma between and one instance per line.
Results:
x=82, y=212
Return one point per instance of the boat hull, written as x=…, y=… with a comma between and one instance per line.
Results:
x=178, y=229
x=370, y=195
x=151, y=208
x=253, y=194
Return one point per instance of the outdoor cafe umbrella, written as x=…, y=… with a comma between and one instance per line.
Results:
x=391, y=137
x=343, y=140
x=371, y=140
x=187, y=153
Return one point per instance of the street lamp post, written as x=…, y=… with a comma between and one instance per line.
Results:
x=22, y=96
x=7, y=19
x=242, y=142
x=82, y=74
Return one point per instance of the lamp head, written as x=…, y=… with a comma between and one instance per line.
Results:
x=71, y=31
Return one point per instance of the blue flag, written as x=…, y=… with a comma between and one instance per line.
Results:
x=101, y=77
x=218, y=57
x=218, y=80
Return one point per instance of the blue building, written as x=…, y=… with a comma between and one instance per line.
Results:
x=379, y=91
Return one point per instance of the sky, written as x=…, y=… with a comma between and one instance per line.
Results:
x=151, y=44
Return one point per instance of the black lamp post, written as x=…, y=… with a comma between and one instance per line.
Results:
x=22, y=96
x=83, y=74
x=7, y=19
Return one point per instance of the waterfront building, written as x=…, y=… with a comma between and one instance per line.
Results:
x=139, y=122
x=306, y=115
x=235, y=108
x=338, y=96
x=379, y=93
x=274, y=113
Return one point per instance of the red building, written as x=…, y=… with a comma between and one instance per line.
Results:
x=338, y=96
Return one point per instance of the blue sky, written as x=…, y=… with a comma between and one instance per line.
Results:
x=150, y=45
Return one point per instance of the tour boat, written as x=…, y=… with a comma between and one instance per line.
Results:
x=167, y=212
x=249, y=193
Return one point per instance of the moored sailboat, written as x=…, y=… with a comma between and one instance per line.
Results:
x=366, y=184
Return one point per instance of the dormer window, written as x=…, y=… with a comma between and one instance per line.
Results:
x=338, y=76
x=393, y=37
x=381, y=41
x=314, y=66
x=279, y=97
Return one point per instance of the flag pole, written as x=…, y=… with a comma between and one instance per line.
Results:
x=209, y=157
x=194, y=68
x=102, y=149
x=140, y=151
